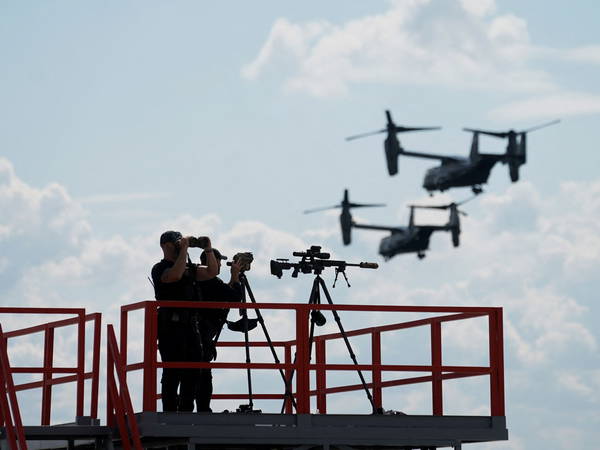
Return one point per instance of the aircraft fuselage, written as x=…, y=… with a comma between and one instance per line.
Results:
x=410, y=241
x=460, y=173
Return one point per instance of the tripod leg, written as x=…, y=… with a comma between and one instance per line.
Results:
x=348, y=346
x=248, y=372
x=313, y=299
x=287, y=383
x=244, y=313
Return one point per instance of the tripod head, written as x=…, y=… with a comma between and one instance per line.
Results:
x=314, y=261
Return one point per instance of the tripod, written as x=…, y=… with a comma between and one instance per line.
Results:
x=244, y=313
x=316, y=318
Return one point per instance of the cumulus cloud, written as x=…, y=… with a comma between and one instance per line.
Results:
x=48, y=212
x=464, y=44
x=415, y=42
x=560, y=103
x=520, y=250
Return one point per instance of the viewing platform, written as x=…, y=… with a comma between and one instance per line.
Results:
x=306, y=372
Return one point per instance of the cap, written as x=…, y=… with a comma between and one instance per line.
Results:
x=217, y=255
x=170, y=236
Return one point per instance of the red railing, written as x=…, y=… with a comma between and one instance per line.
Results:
x=10, y=415
x=118, y=405
x=436, y=371
x=76, y=374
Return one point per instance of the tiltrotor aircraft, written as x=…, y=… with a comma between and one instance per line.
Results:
x=410, y=239
x=458, y=171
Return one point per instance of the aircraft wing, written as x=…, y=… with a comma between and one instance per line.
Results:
x=380, y=227
x=433, y=227
x=443, y=158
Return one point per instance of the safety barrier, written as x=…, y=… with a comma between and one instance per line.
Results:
x=76, y=374
x=10, y=415
x=118, y=402
x=436, y=372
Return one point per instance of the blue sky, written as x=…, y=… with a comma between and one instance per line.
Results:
x=119, y=120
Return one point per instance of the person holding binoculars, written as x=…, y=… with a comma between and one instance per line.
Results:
x=175, y=278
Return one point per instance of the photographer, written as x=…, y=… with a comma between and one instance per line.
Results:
x=175, y=279
x=212, y=320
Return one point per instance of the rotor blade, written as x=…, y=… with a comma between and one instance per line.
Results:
x=463, y=213
x=370, y=133
x=401, y=129
x=544, y=125
x=365, y=205
x=324, y=208
x=498, y=134
x=430, y=206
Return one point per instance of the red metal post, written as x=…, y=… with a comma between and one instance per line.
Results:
x=124, y=399
x=9, y=397
x=96, y=365
x=150, y=318
x=123, y=328
x=80, y=362
x=376, y=373
x=436, y=372
x=496, y=363
x=7, y=423
x=47, y=375
x=110, y=385
x=288, y=375
x=302, y=371
x=321, y=377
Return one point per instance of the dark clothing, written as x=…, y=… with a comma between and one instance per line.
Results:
x=211, y=321
x=177, y=342
x=178, y=338
x=183, y=289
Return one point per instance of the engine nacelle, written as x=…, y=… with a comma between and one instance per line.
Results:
x=392, y=150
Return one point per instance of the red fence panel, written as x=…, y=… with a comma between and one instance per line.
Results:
x=49, y=372
x=435, y=372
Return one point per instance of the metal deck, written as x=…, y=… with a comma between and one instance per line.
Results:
x=305, y=431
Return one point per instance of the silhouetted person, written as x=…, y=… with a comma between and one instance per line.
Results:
x=212, y=320
x=175, y=280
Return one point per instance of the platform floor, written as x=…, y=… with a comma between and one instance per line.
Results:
x=307, y=431
x=207, y=431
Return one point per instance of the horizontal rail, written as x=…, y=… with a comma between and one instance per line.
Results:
x=45, y=326
x=52, y=382
x=308, y=307
x=400, y=326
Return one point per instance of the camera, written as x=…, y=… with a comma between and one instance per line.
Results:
x=198, y=242
x=244, y=259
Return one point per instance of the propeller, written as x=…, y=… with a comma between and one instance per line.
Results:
x=448, y=206
x=391, y=127
x=345, y=204
x=371, y=133
x=341, y=205
x=505, y=134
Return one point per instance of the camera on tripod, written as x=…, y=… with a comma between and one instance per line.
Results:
x=244, y=259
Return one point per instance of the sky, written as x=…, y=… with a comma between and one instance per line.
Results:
x=119, y=120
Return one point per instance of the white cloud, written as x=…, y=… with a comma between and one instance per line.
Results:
x=552, y=105
x=414, y=42
x=519, y=250
x=585, y=54
x=47, y=213
x=464, y=44
x=582, y=383
x=123, y=197
x=479, y=8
